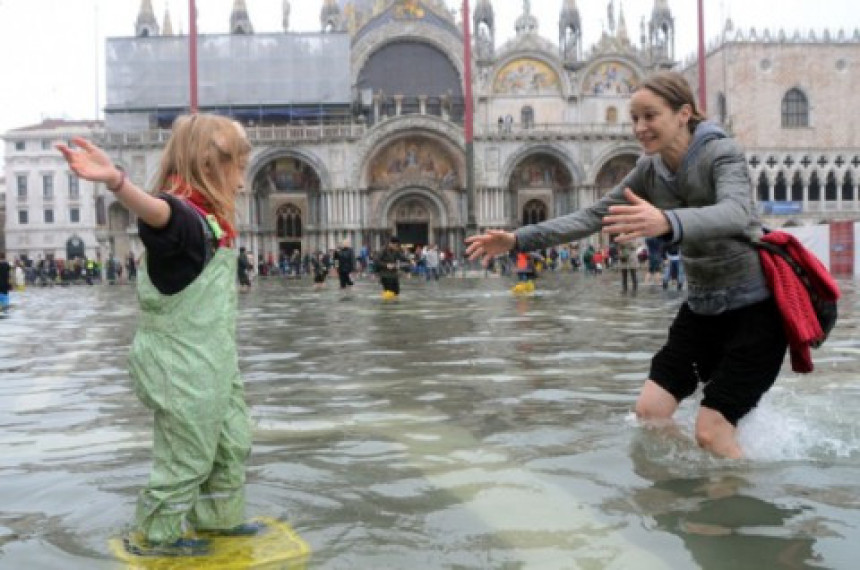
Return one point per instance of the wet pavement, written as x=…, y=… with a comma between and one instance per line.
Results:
x=459, y=426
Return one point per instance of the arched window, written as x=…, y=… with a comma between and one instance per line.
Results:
x=527, y=116
x=831, y=187
x=795, y=109
x=814, y=188
x=763, y=188
x=847, y=188
x=721, y=108
x=797, y=188
x=779, y=188
x=534, y=212
x=289, y=223
x=611, y=115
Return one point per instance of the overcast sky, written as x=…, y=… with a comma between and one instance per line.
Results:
x=53, y=50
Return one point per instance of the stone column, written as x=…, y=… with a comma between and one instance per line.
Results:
x=422, y=104
x=398, y=105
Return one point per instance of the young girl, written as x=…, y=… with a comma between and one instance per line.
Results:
x=692, y=189
x=184, y=361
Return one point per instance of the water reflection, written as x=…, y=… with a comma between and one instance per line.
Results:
x=458, y=427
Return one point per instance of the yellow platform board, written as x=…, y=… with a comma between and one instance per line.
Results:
x=278, y=547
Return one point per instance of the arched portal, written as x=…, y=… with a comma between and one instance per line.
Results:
x=413, y=218
x=284, y=202
x=613, y=172
x=537, y=179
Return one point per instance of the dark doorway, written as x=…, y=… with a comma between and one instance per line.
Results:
x=414, y=234
x=288, y=247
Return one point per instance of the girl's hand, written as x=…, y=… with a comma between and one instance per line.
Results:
x=91, y=163
x=489, y=245
x=637, y=220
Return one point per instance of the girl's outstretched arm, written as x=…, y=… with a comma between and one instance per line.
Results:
x=92, y=163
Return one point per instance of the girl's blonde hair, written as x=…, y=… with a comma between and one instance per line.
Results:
x=200, y=153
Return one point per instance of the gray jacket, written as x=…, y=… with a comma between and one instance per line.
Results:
x=709, y=205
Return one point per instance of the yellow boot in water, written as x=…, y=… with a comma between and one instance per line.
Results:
x=523, y=288
x=388, y=295
x=530, y=286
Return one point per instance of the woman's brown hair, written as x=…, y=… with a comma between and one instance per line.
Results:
x=201, y=151
x=674, y=89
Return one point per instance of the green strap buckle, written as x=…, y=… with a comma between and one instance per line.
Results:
x=215, y=226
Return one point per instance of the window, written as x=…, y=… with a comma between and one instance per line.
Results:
x=289, y=222
x=611, y=115
x=49, y=216
x=795, y=109
x=20, y=145
x=527, y=115
x=763, y=188
x=46, y=144
x=797, y=188
x=848, y=188
x=74, y=187
x=534, y=212
x=814, y=188
x=831, y=187
x=22, y=186
x=48, y=186
x=22, y=217
x=74, y=215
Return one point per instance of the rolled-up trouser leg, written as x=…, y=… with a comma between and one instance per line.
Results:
x=184, y=448
x=221, y=503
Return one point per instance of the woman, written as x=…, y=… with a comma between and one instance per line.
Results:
x=691, y=188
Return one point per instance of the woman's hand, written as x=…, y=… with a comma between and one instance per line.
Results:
x=489, y=245
x=640, y=219
x=91, y=163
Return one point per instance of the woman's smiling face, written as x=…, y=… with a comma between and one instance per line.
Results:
x=656, y=125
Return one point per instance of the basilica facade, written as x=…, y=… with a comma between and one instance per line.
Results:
x=358, y=129
x=380, y=149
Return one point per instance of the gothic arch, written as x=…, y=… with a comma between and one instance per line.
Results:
x=433, y=128
x=549, y=59
x=264, y=158
x=442, y=208
x=609, y=154
x=393, y=32
x=585, y=80
x=577, y=174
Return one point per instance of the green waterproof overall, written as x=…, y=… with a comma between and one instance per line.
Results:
x=184, y=365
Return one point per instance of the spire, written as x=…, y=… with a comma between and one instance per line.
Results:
x=621, y=34
x=485, y=30
x=167, y=29
x=331, y=18
x=286, y=16
x=484, y=12
x=526, y=24
x=146, y=24
x=661, y=39
x=570, y=33
x=240, y=22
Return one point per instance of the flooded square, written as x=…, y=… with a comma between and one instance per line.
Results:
x=459, y=426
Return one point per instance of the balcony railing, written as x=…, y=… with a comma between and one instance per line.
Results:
x=256, y=134
x=519, y=131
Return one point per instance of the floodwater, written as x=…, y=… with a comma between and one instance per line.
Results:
x=457, y=427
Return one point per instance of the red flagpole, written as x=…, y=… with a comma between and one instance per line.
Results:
x=192, y=53
x=703, y=94
x=471, y=221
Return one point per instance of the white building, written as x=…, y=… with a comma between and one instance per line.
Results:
x=49, y=211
